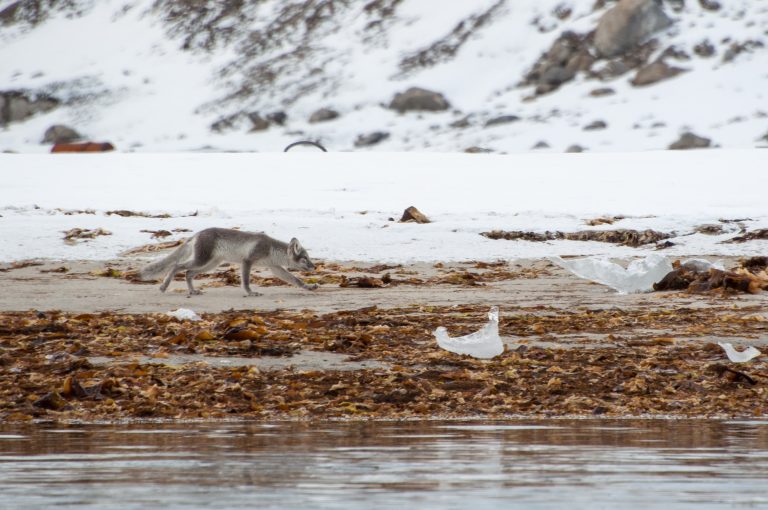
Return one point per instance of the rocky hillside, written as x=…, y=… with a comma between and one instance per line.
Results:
x=487, y=75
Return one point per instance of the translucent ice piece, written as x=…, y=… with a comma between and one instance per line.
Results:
x=739, y=356
x=639, y=276
x=484, y=343
x=184, y=314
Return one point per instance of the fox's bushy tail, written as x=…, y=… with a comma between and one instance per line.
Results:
x=159, y=267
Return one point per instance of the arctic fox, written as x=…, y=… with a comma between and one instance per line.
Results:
x=212, y=246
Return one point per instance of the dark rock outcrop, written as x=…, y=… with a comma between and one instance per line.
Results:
x=418, y=99
x=371, y=139
x=627, y=24
x=17, y=105
x=655, y=72
x=690, y=141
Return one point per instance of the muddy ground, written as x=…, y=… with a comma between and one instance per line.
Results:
x=82, y=341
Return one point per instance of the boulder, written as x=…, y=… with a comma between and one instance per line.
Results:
x=655, y=72
x=17, y=105
x=690, y=141
x=477, y=150
x=627, y=24
x=418, y=99
x=594, y=126
x=60, y=133
x=278, y=117
x=371, y=138
x=413, y=215
x=568, y=55
x=601, y=92
x=704, y=49
x=323, y=115
x=575, y=148
x=541, y=144
x=503, y=119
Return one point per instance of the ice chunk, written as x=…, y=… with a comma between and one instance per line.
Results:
x=639, y=276
x=702, y=265
x=484, y=343
x=184, y=314
x=739, y=356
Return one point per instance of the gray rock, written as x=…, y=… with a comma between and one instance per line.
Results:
x=704, y=49
x=690, y=141
x=323, y=115
x=17, y=105
x=258, y=123
x=278, y=118
x=461, y=123
x=601, y=92
x=418, y=99
x=371, y=139
x=627, y=24
x=477, y=150
x=60, y=133
x=594, y=126
x=655, y=72
x=568, y=55
x=503, y=119
x=710, y=5
x=575, y=148
x=541, y=144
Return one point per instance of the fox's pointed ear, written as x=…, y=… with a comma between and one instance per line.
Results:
x=294, y=246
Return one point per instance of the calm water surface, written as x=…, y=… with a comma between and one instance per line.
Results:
x=465, y=465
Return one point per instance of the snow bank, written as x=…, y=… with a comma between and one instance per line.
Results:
x=339, y=204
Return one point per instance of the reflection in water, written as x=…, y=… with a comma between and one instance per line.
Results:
x=527, y=464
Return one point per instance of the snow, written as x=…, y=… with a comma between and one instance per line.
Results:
x=131, y=84
x=339, y=204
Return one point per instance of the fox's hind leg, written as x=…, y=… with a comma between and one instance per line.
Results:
x=194, y=271
x=169, y=278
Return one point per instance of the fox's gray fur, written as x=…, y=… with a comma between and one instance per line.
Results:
x=212, y=246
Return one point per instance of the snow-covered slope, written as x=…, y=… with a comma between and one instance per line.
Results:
x=155, y=75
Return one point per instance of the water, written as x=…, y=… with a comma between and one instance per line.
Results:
x=464, y=465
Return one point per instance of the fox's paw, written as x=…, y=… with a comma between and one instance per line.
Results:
x=253, y=293
x=311, y=286
x=194, y=293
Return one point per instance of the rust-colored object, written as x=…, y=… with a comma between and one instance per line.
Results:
x=83, y=147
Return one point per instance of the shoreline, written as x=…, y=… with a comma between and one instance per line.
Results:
x=574, y=349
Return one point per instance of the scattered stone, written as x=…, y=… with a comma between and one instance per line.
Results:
x=575, y=148
x=704, y=49
x=627, y=24
x=371, y=138
x=60, y=133
x=541, y=144
x=604, y=91
x=604, y=220
x=562, y=11
x=83, y=147
x=323, y=115
x=72, y=235
x=503, y=119
x=690, y=141
x=258, y=123
x=710, y=5
x=17, y=105
x=477, y=150
x=278, y=117
x=226, y=123
x=675, y=53
x=461, y=123
x=418, y=99
x=413, y=215
x=596, y=125
x=654, y=73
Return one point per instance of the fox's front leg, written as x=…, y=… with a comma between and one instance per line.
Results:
x=245, y=279
x=289, y=278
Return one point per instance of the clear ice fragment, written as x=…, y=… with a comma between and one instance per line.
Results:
x=484, y=343
x=639, y=276
x=739, y=356
x=184, y=314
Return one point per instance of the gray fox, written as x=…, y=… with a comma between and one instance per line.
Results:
x=208, y=248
